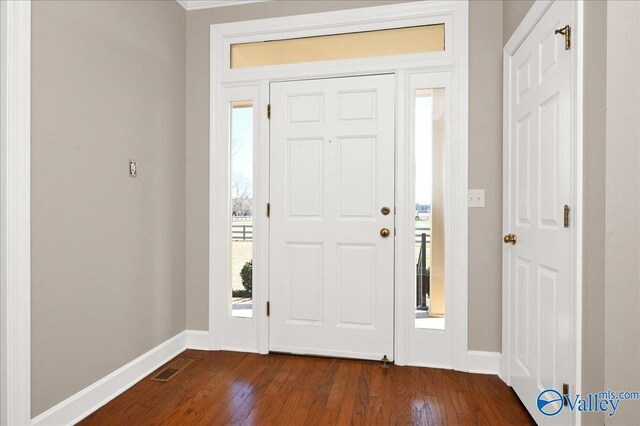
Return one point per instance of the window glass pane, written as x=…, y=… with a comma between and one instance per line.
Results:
x=397, y=41
x=241, y=209
x=429, y=215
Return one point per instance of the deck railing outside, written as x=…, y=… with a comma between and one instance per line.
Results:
x=422, y=275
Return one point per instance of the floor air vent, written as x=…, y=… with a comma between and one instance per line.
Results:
x=171, y=370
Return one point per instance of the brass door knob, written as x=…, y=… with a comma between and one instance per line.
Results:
x=385, y=232
x=510, y=239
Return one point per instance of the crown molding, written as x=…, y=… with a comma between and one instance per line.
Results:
x=190, y=5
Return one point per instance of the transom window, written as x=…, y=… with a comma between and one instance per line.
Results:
x=396, y=41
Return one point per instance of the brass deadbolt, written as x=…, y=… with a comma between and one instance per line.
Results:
x=385, y=210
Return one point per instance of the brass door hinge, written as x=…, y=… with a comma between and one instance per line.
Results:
x=268, y=308
x=268, y=209
x=566, y=32
x=269, y=111
x=565, y=394
x=566, y=216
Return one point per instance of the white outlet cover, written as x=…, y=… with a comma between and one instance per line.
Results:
x=476, y=198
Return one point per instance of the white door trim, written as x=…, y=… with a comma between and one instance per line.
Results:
x=529, y=22
x=244, y=338
x=15, y=213
x=454, y=59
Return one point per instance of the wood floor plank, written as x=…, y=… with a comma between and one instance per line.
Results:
x=231, y=388
x=374, y=413
x=409, y=398
x=361, y=403
x=336, y=395
x=257, y=390
x=349, y=395
x=318, y=408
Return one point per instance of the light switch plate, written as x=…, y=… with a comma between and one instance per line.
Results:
x=476, y=198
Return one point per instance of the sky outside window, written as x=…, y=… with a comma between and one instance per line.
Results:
x=424, y=149
x=242, y=145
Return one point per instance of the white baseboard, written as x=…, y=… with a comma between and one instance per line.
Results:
x=197, y=339
x=503, y=371
x=88, y=400
x=484, y=362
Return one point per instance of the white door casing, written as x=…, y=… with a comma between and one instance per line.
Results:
x=539, y=271
x=15, y=217
x=332, y=171
x=433, y=347
x=453, y=59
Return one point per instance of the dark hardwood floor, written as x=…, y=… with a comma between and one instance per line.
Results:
x=250, y=389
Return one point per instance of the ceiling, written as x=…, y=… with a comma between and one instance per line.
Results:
x=205, y=4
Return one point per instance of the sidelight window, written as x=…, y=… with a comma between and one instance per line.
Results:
x=242, y=208
x=429, y=137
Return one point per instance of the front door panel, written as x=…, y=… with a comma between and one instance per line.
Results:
x=332, y=171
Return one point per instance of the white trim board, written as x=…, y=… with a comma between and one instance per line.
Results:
x=91, y=398
x=207, y=4
x=15, y=213
x=482, y=362
x=198, y=340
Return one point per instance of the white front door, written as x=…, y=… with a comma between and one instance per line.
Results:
x=538, y=173
x=332, y=176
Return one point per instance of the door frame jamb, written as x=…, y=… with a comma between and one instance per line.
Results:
x=15, y=213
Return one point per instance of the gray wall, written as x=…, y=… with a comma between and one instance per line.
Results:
x=595, y=65
x=622, y=245
x=108, y=251
x=513, y=13
x=485, y=171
